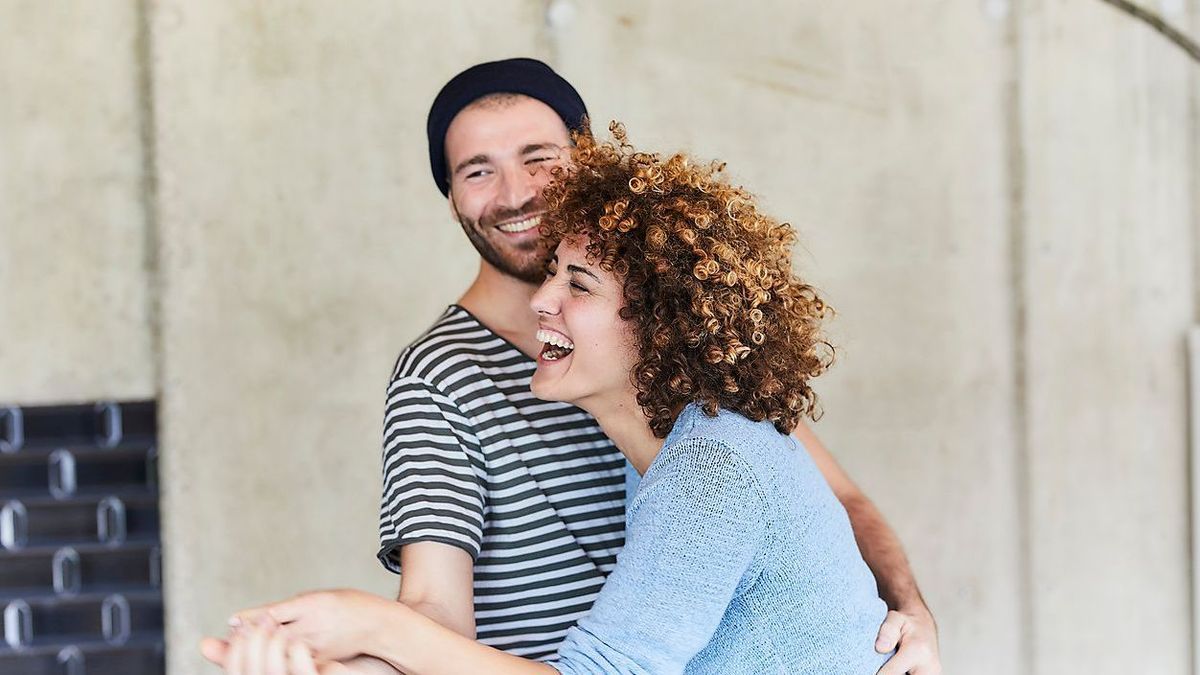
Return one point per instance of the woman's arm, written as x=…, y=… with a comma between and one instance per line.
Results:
x=694, y=529
x=418, y=645
x=695, y=526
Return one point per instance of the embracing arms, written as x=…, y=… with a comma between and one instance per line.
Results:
x=909, y=627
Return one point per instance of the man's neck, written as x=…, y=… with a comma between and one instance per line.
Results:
x=501, y=303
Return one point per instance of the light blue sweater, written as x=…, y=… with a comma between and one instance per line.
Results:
x=738, y=559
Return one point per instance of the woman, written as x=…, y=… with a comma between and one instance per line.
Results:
x=671, y=314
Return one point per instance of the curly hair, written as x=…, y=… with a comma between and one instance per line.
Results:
x=719, y=317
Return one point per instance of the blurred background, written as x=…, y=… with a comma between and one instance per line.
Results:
x=226, y=207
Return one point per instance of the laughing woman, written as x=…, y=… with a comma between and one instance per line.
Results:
x=671, y=313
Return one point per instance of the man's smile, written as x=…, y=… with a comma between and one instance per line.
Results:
x=523, y=225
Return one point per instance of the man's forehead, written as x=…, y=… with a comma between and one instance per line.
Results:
x=504, y=124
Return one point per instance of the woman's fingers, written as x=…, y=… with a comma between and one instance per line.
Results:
x=300, y=659
x=254, y=655
x=215, y=650
x=233, y=656
x=275, y=653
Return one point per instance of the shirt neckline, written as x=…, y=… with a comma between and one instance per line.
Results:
x=498, y=336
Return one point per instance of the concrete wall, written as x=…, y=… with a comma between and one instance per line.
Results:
x=75, y=269
x=1000, y=200
x=1107, y=265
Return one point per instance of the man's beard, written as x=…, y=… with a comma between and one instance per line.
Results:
x=530, y=268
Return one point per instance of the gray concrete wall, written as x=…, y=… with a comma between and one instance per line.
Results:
x=1107, y=292
x=1001, y=202
x=75, y=291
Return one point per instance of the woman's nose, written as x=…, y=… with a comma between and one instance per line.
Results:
x=544, y=300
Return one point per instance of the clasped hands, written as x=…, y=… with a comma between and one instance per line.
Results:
x=317, y=633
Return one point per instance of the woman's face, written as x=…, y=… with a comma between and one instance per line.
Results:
x=588, y=349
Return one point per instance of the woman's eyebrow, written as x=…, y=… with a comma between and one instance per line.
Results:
x=577, y=268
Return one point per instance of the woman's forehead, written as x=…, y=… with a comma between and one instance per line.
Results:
x=574, y=249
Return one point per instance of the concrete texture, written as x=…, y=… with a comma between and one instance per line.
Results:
x=1108, y=295
x=74, y=283
x=1000, y=199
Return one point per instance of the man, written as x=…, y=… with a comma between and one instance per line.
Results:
x=506, y=513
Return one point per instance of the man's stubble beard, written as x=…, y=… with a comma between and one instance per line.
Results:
x=531, y=269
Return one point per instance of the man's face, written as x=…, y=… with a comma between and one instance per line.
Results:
x=500, y=156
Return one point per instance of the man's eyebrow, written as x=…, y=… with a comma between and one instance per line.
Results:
x=577, y=268
x=537, y=147
x=477, y=159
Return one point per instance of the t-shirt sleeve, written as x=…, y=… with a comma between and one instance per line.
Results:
x=432, y=468
x=694, y=528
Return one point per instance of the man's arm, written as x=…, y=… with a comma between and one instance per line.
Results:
x=910, y=625
x=438, y=581
x=877, y=542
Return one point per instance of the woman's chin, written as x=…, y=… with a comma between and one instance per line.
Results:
x=543, y=390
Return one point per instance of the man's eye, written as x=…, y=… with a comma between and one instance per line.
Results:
x=477, y=174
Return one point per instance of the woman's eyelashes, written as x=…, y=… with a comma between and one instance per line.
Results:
x=574, y=284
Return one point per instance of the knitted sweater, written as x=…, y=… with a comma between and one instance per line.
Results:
x=738, y=559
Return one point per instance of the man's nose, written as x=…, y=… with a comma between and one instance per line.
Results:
x=518, y=186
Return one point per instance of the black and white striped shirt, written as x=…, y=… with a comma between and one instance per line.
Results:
x=533, y=490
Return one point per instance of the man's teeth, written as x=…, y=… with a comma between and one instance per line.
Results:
x=552, y=338
x=521, y=225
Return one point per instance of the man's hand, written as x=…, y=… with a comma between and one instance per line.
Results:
x=335, y=625
x=914, y=637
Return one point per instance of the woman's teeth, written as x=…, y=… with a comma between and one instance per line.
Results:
x=557, y=346
x=521, y=225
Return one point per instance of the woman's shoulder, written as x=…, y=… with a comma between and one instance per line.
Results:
x=729, y=432
x=718, y=446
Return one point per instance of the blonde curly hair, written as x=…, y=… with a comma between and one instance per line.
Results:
x=720, y=318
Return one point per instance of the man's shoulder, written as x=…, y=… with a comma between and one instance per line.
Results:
x=456, y=344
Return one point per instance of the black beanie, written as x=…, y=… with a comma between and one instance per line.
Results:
x=515, y=76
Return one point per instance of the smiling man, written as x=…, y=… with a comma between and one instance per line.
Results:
x=505, y=513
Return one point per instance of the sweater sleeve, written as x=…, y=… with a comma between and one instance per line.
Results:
x=694, y=528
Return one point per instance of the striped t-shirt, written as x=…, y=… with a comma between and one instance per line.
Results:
x=533, y=490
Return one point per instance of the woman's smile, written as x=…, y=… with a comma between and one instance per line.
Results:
x=555, y=345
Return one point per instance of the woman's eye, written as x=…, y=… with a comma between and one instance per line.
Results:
x=579, y=287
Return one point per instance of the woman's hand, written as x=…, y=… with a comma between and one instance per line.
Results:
x=265, y=648
x=335, y=625
x=298, y=661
